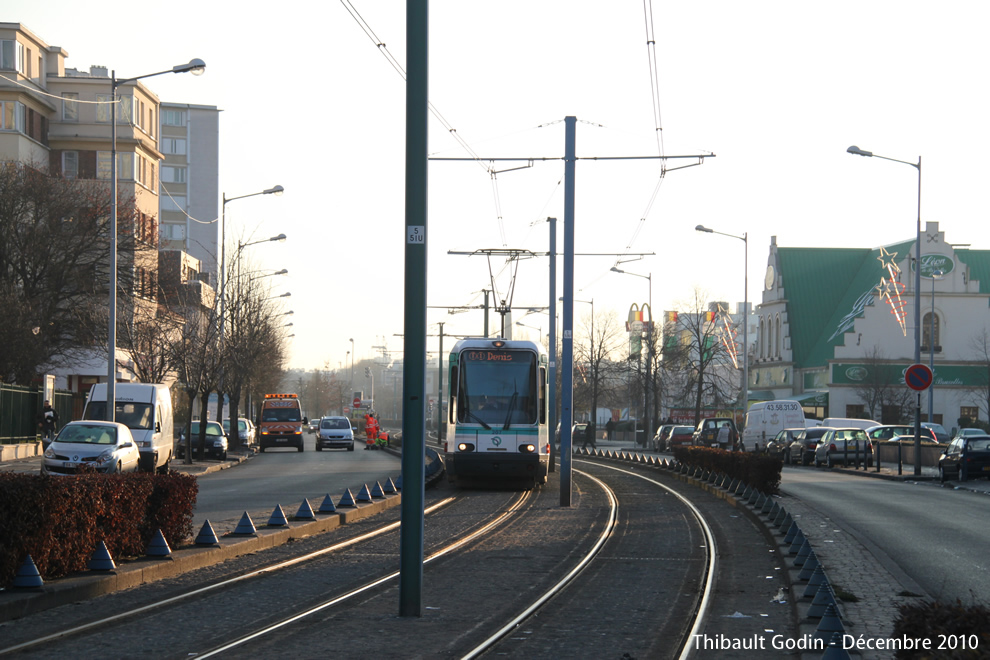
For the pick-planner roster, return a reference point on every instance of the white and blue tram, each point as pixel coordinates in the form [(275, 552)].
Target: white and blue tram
[(497, 413)]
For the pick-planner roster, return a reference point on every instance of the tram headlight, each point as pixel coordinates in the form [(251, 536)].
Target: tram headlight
[(527, 449), (465, 446)]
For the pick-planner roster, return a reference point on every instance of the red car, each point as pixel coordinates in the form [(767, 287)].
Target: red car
[(680, 436)]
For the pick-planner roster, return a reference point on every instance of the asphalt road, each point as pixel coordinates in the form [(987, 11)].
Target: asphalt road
[(938, 536), (284, 477)]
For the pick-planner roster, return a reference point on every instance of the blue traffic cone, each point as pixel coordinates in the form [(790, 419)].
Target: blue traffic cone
[(834, 650), (377, 492), (206, 535), (278, 518), (802, 555), (815, 582), (158, 547), (27, 576), (791, 533), (327, 506), (245, 527), (305, 511), (810, 564), (389, 487), (823, 600), (796, 543), (782, 517), (829, 624), (101, 559), (346, 499), (364, 495)]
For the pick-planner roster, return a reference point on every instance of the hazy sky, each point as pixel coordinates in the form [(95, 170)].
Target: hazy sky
[(776, 90)]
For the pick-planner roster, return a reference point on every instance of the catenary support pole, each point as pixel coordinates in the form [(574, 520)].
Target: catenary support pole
[(567, 339), (414, 341)]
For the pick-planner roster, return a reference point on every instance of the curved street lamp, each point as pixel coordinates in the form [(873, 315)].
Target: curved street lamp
[(196, 67), (744, 390), (917, 295)]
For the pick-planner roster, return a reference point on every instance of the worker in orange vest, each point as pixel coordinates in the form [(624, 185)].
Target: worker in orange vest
[(370, 430)]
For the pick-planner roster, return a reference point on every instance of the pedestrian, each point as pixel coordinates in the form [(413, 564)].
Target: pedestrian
[(589, 435), (609, 427), (47, 421), (725, 436)]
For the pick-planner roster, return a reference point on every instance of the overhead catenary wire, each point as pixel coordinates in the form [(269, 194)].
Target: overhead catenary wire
[(383, 49)]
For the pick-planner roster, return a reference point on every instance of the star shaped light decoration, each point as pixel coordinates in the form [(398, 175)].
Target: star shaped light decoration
[(890, 289)]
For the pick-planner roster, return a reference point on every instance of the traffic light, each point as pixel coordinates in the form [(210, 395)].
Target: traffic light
[(367, 372)]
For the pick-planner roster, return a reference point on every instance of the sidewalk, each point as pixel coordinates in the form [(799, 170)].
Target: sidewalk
[(32, 464)]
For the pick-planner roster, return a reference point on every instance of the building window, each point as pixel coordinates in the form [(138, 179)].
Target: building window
[(930, 326), (103, 108), (174, 203), (70, 106), (70, 164), (777, 336), (763, 337), (12, 116), (173, 118), (11, 55), (125, 165), (172, 174), (857, 411), (970, 412), (172, 232), (174, 146)]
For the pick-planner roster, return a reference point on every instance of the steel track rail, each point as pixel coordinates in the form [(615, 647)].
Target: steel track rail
[(560, 584), (218, 585), (370, 585), (704, 602)]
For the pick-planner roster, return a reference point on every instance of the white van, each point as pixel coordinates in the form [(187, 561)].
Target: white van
[(146, 409), (766, 419), (849, 423)]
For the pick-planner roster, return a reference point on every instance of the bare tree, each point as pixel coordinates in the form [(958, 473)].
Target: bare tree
[(53, 267), (881, 390), (980, 344), (593, 361), (698, 359)]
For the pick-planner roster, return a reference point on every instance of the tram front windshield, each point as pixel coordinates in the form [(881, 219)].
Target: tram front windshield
[(497, 387)]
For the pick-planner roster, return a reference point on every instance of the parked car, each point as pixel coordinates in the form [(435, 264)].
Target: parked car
[(941, 435), (780, 445), (245, 430), (849, 423), (805, 443), (106, 447), (216, 441), (706, 435), (335, 433), (660, 437), (895, 432), (964, 433), (680, 436), (966, 457), (849, 446)]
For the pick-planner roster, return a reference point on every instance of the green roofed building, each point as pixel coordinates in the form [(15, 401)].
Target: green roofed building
[(836, 330)]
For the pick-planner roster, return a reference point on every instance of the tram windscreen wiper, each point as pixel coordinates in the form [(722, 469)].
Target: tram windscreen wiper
[(471, 415), (508, 415)]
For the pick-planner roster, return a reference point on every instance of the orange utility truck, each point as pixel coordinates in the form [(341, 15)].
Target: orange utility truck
[(281, 421)]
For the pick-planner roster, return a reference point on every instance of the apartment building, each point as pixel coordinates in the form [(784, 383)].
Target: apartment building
[(59, 117)]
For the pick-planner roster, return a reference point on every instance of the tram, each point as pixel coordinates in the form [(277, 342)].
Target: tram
[(497, 413)]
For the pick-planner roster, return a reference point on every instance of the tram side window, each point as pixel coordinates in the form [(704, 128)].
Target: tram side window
[(454, 392)]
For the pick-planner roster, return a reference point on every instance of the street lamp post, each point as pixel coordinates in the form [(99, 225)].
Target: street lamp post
[(532, 327), (917, 296), (352, 364), (195, 67), (649, 352), (744, 390), (936, 275)]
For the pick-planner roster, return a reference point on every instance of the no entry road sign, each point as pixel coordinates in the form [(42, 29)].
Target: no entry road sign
[(918, 377)]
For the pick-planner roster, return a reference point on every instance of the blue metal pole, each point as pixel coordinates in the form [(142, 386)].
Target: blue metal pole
[(552, 341), (567, 341), (414, 341)]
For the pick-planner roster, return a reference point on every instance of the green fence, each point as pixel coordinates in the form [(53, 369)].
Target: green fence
[(19, 408)]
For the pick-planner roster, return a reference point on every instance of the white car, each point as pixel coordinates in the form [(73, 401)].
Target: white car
[(106, 447)]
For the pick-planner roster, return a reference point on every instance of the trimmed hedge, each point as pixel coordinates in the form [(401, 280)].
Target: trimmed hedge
[(758, 470), (59, 521), (960, 629)]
